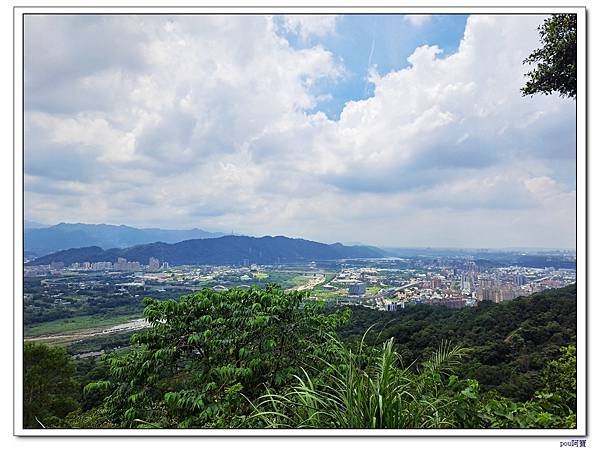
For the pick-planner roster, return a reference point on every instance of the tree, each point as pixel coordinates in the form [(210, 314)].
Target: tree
[(50, 391), (210, 352), (370, 388), (253, 358), (560, 381), (556, 60)]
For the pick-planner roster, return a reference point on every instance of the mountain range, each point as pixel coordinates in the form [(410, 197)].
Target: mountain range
[(42, 240), (225, 250)]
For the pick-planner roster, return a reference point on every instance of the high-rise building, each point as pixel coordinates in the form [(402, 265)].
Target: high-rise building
[(153, 263), (466, 282), (101, 265), (357, 289), (121, 264), (520, 280), (486, 282), (508, 293), (486, 294), (127, 266)]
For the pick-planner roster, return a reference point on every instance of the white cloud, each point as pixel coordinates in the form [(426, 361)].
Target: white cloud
[(306, 26), (454, 112), (211, 124), (417, 20)]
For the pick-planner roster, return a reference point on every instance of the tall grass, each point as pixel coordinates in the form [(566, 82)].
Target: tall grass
[(367, 388)]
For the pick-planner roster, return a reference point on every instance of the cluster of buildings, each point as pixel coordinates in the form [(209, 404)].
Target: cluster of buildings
[(450, 286), (456, 288), (102, 265), (121, 265), (382, 285)]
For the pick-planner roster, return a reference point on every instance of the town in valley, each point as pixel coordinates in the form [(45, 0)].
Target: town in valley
[(84, 302)]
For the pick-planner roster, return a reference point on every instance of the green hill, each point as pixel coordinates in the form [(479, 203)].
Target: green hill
[(267, 358), (232, 250), (509, 342)]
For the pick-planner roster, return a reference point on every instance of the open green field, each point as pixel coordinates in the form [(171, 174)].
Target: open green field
[(298, 280), (372, 290), (287, 279), (323, 294), (76, 324)]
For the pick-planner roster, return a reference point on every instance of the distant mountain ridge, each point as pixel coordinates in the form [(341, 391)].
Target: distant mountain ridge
[(50, 239), (225, 250), (30, 224)]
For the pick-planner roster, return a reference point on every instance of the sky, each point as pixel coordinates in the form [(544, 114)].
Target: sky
[(390, 130)]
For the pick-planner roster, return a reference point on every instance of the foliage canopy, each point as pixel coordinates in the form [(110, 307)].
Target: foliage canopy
[(556, 60), (510, 343), (269, 358), (370, 388), (207, 353), (50, 391)]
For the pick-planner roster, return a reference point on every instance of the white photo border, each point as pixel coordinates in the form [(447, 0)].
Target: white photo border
[(581, 219)]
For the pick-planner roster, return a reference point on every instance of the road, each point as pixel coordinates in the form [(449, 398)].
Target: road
[(133, 325), (310, 283)]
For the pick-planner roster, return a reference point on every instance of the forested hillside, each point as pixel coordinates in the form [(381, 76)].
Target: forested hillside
[(221, 250), (509, 343), (262, 358)]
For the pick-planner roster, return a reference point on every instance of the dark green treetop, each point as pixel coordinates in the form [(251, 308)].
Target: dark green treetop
[(50, 391), (208, 353), (556, 60)]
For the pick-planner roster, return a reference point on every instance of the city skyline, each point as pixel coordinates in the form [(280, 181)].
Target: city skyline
[(389, 130)]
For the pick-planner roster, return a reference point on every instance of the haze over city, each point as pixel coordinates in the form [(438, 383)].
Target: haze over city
[(386, 130)]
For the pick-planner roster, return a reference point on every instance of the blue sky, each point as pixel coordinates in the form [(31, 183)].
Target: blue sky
[(383, 129), (386, 41)]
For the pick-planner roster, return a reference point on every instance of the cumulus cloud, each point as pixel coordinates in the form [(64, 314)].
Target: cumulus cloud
[(213, 121), (306, 26), (449, 113), (417, 20)]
